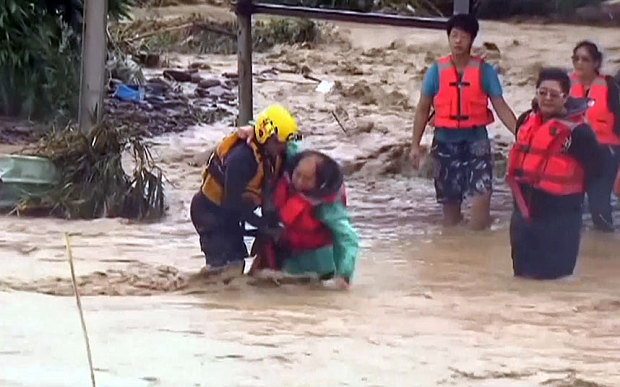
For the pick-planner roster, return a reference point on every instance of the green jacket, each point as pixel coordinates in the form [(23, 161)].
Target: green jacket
[(338, 259)]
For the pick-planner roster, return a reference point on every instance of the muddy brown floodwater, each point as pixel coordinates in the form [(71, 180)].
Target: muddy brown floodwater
[(428, 306)]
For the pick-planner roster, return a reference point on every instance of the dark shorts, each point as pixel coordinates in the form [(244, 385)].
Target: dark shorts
[(462, 169)]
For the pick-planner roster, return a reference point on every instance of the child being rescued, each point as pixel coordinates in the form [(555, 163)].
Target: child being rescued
[(317, 237)]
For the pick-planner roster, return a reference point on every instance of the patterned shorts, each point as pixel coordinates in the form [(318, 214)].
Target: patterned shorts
[(462, 169)]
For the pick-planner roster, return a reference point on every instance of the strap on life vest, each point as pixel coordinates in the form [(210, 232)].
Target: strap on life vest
[(459, 85), (517, 193)]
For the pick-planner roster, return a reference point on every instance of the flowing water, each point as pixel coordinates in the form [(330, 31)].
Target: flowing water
[(428, 306)]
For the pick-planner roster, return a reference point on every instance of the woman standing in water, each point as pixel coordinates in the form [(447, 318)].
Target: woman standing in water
[(604, 117), (555, 155)]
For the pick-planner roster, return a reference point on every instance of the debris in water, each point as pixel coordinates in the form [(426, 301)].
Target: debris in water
[(92, 180), (570, 380), (325, 87)]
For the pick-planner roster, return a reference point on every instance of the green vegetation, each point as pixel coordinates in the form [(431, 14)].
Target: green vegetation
[(40, 56), (199, 35), (93, 182)]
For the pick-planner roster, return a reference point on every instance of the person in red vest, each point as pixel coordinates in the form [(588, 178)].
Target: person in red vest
[(604, 117), (459, 87), (555, 156), (318, 236)]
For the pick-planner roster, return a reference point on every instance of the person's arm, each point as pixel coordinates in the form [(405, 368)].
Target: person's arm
[(614, 102), (504, 112), (430, 87), (586, 149), (492, 86), (241, 166), (293, 148), (346, 241), (421, 118), (521, 120)]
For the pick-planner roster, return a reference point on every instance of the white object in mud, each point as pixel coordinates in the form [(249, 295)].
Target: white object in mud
[(248, 264), (325, 87)]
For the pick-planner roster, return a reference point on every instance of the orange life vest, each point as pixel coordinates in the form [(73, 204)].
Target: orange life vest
[(539, 157), (461, 102), (599, 116), (213, 174)]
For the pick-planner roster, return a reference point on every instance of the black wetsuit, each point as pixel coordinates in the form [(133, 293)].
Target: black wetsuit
[(221, 228), (548, 245)]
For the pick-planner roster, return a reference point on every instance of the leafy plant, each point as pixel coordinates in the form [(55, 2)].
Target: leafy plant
[(197, 34), (40, 51), (93, 182)]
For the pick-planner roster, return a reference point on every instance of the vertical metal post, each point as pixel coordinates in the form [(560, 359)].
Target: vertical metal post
[(92, 78), (244, 60), (461, 6)]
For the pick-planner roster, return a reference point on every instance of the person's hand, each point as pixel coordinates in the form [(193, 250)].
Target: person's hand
[(417, 154), (274, 232), (246, 133), (342, 283)]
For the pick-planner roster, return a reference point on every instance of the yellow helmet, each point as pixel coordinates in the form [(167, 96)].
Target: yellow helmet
[(275, 120)]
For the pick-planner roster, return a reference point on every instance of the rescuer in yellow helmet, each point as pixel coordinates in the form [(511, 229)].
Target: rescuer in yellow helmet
[(234, 182)]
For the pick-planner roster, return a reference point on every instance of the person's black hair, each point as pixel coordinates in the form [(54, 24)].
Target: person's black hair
[(465, 22), (329, 176), (593, 51), (554, 74)]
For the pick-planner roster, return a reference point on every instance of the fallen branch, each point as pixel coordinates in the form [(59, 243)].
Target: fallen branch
[(433, 7), (79, 305), (208, 27), (203, 26), (152, 33), (338, 121), (289, 71), (259, 79), (297, 70), (310, 77)]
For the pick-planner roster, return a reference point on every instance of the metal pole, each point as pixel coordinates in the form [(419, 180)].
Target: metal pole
[(349, 16), (244, 60), (92, 78), (461, 6)]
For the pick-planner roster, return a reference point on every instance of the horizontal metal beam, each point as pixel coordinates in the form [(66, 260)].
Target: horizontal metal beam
[(348, 16)]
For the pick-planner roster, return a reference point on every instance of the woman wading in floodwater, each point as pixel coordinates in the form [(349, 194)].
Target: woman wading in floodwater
[(603, 115), (554, 158)]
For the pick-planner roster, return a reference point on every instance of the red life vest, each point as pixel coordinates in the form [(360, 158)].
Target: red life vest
[(539, 156), (302, 230), (461, 103), (599, 116)]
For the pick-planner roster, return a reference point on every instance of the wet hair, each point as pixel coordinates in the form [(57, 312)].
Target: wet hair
[(593, 51), (554, 74), (465, 22), (328, 173)]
